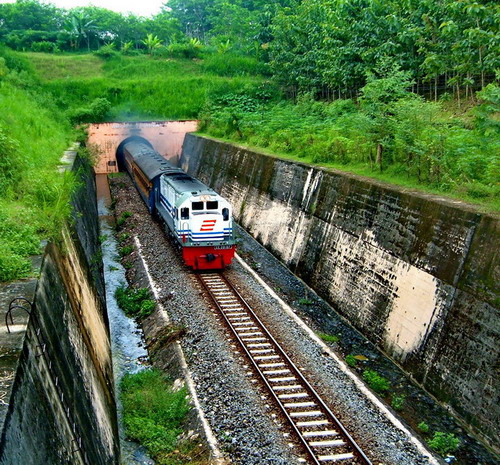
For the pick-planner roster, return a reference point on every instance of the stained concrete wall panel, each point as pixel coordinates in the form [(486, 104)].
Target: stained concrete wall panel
[(416, 274)]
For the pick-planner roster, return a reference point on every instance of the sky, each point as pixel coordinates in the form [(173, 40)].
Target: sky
[(141, 7)]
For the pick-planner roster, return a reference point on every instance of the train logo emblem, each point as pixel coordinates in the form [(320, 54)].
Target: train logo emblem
[(208, 225)]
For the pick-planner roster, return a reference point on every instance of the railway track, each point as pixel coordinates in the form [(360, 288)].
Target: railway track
[(323, 437)]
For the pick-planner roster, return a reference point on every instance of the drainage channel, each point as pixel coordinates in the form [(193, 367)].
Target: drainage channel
[(127, 345)]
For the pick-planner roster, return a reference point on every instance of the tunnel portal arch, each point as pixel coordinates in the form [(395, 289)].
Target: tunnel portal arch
[(119, 151)]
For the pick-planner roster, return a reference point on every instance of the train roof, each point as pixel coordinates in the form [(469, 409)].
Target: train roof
[(182, 182), (151, 163)]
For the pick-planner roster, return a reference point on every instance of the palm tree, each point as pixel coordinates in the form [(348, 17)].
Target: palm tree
[(79, 26), (151, 42)]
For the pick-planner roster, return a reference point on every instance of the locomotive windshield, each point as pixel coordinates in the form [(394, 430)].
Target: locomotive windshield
[(213, 205), (197, 205)]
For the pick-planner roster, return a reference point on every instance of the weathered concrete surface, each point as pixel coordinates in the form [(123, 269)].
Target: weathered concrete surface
[(418, 275), (62, 407)]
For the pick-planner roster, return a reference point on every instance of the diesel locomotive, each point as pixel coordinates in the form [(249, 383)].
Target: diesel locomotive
[(199, 219)]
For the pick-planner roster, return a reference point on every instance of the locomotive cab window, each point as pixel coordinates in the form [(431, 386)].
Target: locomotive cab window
[(213, 205), (185, 213), (225, 214), (197, 205)]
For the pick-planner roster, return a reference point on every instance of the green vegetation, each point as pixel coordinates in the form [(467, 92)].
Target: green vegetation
[(123, 218), (389, 133), (153, 415), (351, 360), (126, 250), (378, 383), (423, 426), (136, 303), (402, 92), (34, 197), (398, 401), (328, 337), (444, 443)]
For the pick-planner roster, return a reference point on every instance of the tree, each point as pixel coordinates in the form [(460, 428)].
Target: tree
[(151, 42)]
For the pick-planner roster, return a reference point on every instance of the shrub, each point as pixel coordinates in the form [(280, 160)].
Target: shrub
[(44, 46), (191, 49), (376, 382), (398, 401), (106, 51), (152, 412), (123, 218), (124, 251), (444, 443), (423, 426), (94, 113), (135, 303), (328, 337)]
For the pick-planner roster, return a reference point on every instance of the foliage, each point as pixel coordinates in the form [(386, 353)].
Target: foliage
[(153, 413), (423, 426), (351, 360), (328, 337), (126, 250), (329, 48), (397, 401), (376, 382), (34, 197), (95, 112), (390, 130), (444, 443), (107, 51), (123, 218), (135, 303)]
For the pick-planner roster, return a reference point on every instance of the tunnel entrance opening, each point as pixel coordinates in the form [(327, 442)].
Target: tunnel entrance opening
[(107, 139)]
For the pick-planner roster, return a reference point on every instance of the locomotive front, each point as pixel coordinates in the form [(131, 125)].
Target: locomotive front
[(199, 218), (205, 230)]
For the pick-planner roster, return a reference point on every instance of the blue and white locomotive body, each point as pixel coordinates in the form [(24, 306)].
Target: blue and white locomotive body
[(198, 217)]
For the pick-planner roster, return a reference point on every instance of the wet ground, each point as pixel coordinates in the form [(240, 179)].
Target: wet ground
[(127, 344)]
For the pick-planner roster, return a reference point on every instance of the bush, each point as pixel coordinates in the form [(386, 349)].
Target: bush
[(444, 443), (228, 64), (423, 426), (398, 401), (351, 360), (136, 303), (44, 46), (94, 113), (152, 412), (378, 383), (106, 51), (191, 49)]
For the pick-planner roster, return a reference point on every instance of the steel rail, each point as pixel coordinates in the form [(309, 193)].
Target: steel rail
[(314, 456)]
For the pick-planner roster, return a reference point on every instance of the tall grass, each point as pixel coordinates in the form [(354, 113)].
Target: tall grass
[(140, 87), (34, 197), (154, 414)]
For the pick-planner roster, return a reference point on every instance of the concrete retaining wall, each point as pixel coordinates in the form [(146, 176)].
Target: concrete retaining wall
[(416, 274), (62, 408)]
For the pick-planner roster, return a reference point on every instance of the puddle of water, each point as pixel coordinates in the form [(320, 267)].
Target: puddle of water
[(127, 344)]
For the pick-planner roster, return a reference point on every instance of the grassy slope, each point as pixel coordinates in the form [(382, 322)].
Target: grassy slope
[(138, 87), (34, 199)]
